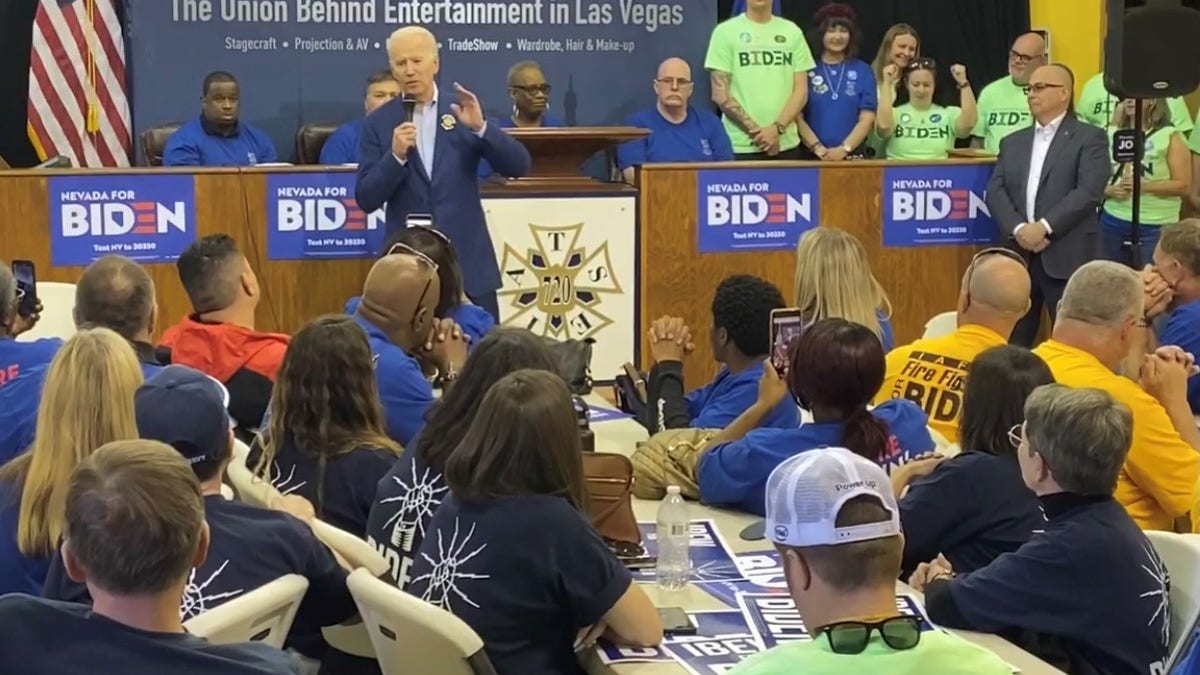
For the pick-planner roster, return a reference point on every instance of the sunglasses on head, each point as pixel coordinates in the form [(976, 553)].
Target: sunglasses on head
[(852, 637), (400, 247), (921, 64)]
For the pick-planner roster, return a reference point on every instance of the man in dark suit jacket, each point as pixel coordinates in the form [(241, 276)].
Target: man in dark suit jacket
[(429, 165), (1046, 190)]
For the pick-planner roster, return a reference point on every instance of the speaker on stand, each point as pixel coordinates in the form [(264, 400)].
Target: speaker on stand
[(1151, 50)]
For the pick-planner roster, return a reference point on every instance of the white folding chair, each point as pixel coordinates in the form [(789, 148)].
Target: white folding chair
[(250, 489), (58, 312), (942, 324), (412, 637), (351, 637), (1181, 554), (262, 615)]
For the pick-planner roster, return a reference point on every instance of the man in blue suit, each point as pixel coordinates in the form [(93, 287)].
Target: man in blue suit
[(428, 165)]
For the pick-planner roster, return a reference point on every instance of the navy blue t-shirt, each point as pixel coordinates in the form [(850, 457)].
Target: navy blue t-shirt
[(405, 501), (1183, 330), (972, 508), (349, 483), (250, 547), (18, 574), (195, 144), (1092, 581), (42, 637), (17, 357), (837, 93), (700, 137), (526, 573)]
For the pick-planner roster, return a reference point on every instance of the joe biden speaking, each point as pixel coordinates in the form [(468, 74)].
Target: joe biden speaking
[(419, 154)]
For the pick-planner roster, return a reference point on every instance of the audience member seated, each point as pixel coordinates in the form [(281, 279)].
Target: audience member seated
[(396, 311), (1101, 322), (922, 129), (408, 496), (530, 94), (1177, 264), (17, 357), (248, 546), (974, 507), (1090, 593), (930, 372), (835, 368), (741, 338), (86, 402), (510, 550), (833, 279), (115, 293), (217, 137), (133, 527), (218, 338), (678, 131), (454, 304), (342, 145), (837, 529), (326, 439)]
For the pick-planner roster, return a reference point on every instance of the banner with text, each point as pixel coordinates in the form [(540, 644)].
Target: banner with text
[(774, 619), (150, 219), (710, 625), (314, 215), (710, 556), (754, 209), (937, 205), (764, 574), (304, 61)]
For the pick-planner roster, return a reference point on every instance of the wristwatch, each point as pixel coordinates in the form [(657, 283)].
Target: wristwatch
[(847, 148), (780, 128)]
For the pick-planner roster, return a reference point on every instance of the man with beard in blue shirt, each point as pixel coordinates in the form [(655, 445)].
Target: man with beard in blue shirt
[(1089, 594)]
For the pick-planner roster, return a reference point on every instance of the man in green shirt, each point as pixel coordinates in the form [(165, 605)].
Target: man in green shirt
[(1096, 106), (759, 64), (1003, 106), (833, 517)]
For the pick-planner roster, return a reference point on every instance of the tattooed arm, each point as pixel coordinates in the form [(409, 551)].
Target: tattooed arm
[(722, 95)]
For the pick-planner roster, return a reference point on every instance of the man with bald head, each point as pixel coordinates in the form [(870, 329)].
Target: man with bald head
[(396, 311), (678, 132), (424, 166), (1101, 329), (931, 372), (1045, 191), (1002, 106)]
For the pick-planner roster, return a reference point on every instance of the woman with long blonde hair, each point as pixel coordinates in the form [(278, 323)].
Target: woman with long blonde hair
[(900, 46), (87, 401), (833, 279)]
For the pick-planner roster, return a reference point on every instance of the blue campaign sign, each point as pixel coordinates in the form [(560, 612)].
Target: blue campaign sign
[(715, 656), (763, 572), (710, 625), (747, 209), (314, 215), (774, 619), (936, 205), (710, 556), (146, 218)]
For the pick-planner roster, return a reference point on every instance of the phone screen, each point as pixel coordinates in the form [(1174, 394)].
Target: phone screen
[(23, 271), (786, 326), (675, 621)]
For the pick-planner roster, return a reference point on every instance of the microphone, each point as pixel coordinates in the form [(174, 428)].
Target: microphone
[(410, 104)]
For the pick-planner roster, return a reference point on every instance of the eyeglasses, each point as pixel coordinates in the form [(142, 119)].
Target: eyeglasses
[(1014, 55), (674, 82), (531, 89), (852, 637), (401, 247), (1140, 322), (1039, 87), (990, 251), (1016, 434)]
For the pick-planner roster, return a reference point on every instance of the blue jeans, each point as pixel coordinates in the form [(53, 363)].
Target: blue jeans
[(1116, 240)]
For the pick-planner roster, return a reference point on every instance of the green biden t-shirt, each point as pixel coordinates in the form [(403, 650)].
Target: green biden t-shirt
[(1096, 106), (922, 134), (762, 60), (1003, 109)]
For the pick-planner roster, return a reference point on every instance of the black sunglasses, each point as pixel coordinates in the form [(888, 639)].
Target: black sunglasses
[(852, 637), (921, 64)]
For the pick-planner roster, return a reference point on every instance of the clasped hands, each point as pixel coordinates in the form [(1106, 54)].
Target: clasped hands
[(1032, 237)]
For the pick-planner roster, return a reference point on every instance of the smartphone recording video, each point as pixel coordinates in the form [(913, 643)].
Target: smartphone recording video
[(23, 271), (786, 326)]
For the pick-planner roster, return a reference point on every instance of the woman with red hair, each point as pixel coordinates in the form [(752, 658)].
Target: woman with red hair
[(842, 96)]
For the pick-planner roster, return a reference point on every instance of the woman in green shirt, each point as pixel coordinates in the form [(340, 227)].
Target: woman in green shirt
[(1166, 179), (922, 129)]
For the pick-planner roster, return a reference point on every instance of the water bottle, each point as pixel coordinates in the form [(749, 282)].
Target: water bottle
[(674, 564)]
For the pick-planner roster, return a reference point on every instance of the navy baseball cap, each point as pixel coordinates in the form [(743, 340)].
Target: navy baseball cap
[(185, 409)]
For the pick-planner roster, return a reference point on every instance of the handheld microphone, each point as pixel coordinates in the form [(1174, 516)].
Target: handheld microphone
[(410, 104)]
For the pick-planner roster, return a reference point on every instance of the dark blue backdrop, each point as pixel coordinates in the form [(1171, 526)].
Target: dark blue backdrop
[(286, 85)]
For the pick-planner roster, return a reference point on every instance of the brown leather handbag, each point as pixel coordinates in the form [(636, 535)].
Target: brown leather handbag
[(609, 480)]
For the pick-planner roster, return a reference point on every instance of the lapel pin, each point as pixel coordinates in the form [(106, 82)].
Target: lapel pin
[(448, 122)]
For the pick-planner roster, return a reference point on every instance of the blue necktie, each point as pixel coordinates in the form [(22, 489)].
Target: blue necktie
[(739, 6)]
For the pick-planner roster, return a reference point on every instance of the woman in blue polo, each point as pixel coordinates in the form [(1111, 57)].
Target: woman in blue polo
[(840, 112), (922, 129)]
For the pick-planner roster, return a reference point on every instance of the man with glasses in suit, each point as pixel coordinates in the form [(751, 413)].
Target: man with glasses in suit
[(1045, 192)]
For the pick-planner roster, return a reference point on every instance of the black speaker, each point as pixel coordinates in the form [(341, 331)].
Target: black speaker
[(1152, 49)]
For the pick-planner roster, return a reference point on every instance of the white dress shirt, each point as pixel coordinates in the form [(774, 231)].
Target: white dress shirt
[(1043, 136)]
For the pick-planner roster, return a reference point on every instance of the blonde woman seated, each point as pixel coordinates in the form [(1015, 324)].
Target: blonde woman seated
[(87, 401), (834, 280)]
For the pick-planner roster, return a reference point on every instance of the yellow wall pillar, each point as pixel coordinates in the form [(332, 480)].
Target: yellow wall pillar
[(1076, 34)]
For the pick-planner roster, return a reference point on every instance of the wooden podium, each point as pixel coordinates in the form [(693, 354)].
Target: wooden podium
[(560, 152)]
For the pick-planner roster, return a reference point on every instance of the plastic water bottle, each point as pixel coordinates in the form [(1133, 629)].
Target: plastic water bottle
[(674, 563)]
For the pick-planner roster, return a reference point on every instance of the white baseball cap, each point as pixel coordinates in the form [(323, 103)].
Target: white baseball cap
[(806, 492)]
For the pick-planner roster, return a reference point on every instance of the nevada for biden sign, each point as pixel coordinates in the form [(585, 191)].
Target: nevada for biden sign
[(314, 215), (936, 205), (745, 209)]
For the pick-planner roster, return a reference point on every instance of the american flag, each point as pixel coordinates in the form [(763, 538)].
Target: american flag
[(78, 97)]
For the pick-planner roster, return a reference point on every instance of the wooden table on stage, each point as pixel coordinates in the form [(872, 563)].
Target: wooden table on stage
[(677, 280)]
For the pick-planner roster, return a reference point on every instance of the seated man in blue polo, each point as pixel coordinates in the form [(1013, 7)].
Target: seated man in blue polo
[(741, 338), (678, 132), (17, 357), (217, 137), (342, 145), (397, 312), (1177, 263), (530, 94)]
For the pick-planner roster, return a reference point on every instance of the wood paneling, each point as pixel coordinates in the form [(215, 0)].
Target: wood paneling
[(677, 280)]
